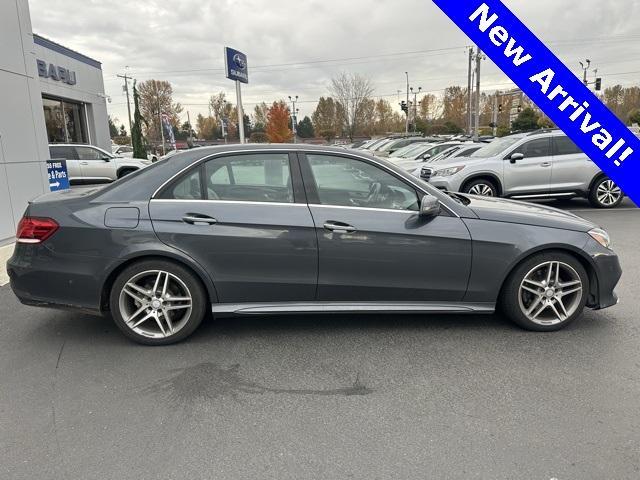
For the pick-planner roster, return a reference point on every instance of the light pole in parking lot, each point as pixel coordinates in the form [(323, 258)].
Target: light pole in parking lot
[(415, 107), (293, 116), (406, 128)]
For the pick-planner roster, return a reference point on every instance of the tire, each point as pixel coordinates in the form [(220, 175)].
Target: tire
[(516, 302), (125, 171), (142, 315), (481, 186), (605, 193)]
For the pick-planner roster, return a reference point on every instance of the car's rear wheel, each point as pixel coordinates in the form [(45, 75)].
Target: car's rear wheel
[(605, 194), (482, 187), (546, 292), (157, 302)]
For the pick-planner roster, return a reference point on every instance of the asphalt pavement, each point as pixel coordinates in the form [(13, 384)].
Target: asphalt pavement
[(328, 397)]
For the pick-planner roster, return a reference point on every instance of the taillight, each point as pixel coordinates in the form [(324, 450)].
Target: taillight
[(35, 229)]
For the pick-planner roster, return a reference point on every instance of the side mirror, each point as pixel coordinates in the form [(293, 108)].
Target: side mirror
[(515, 157), (106, 158), (429, 206), (426, 156)]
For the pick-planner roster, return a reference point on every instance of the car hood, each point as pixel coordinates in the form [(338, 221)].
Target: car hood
[(453, 162), (513, 211)]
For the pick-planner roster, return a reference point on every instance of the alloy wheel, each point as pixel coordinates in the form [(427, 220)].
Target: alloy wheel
[(481, 189), (550, 293), (608, 193), (155, 304)]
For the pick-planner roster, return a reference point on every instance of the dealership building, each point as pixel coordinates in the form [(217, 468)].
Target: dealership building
[(48, 94)]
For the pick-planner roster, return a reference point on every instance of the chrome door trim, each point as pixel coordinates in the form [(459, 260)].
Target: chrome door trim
[(331, 307), (413, 212)]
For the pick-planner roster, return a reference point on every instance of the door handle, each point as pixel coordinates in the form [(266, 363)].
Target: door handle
[(338, 227), (545, 164), (84, 163), (195, 219)]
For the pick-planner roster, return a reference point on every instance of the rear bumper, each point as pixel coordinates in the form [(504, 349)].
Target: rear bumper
[(40, 277)]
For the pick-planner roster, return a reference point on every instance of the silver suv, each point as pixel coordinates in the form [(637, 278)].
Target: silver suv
[(536, 165), (87, 164)]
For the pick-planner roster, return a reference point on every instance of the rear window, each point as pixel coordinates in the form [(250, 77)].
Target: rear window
[(564, 146)]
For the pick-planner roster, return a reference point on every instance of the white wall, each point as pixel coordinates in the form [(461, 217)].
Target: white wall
[(23, 140)]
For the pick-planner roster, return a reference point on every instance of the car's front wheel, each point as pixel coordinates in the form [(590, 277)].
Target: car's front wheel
[(605, 194), (546, 292), (482, 187), (157, 302)]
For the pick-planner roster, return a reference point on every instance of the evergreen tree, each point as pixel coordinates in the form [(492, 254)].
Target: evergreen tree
[(305, 128), (137, 140)]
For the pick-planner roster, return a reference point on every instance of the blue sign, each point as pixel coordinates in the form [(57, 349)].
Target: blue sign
[(236, 66), (58, 176), (557, 91)]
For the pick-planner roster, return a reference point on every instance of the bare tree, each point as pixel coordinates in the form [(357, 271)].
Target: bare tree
[(351, 91)]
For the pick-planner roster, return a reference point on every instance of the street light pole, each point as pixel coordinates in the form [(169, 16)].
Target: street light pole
[(415, 108), (293, 117), (406, 129)]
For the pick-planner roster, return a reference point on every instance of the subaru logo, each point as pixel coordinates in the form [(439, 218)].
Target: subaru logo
[(240, 61)]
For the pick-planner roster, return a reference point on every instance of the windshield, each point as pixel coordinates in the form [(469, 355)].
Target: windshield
[(496, 147), (377, 147)]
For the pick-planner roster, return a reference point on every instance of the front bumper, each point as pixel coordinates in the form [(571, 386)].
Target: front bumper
[(606, 275), (450, 184)]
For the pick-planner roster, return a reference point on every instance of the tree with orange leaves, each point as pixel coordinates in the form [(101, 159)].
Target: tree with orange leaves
[(278, 129)]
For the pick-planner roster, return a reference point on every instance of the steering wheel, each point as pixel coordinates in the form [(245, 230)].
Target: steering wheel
[(374, 190)]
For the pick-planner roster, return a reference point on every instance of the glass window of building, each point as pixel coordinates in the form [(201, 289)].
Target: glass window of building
[(65, 121)]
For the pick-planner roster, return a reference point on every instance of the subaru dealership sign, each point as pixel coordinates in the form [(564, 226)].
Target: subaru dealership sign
[(235, 65)]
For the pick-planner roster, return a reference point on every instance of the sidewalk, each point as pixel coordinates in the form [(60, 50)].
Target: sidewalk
[(5, 253)]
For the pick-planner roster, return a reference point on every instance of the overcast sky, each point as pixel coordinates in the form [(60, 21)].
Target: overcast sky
[(183, 41)]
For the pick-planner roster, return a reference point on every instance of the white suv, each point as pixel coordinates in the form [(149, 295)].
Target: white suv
[(87, 164), (541, 164)]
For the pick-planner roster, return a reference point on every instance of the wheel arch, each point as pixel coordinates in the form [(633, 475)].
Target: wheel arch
[(484, 175), (596, 179), (128, 169), (181, 260), (576, 253)]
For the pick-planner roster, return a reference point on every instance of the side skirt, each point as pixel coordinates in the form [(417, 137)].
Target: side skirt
[(353, 307)]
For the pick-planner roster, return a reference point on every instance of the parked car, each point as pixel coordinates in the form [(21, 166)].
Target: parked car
[(268, 229), (541, 164), (88, 164), (457, 151), (406, 152), (126, 151), (394, 145), (422, 155)]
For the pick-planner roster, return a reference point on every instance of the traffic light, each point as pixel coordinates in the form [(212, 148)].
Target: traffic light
[(598, 84), (519, 108), (404, 107), (500, 108)]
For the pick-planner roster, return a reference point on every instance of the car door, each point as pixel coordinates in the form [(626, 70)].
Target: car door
[(372, 244), (572, 169), (245, 219), (96, 165), (531, 174), (67, 153)]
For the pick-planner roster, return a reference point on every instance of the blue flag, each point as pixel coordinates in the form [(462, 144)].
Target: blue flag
[(552, 87)]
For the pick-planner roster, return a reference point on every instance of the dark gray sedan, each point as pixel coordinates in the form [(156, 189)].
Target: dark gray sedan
[(255, 230)]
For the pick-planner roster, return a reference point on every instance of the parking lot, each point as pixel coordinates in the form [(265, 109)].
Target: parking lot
[(360, 396)]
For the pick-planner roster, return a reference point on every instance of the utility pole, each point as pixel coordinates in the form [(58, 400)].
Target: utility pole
[(406, 129), (126, 90), (293, 117), (190, 128), (476, 131), (470, 93)]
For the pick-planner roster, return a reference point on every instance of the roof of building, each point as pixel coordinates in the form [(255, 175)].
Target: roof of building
[(56, 47)]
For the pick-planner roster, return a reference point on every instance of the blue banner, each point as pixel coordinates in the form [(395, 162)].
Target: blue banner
[(558, 92), (236, 67), (58, 176)]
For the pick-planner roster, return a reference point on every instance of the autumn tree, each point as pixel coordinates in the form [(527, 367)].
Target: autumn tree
[(351, 91), (277, 128), (206, 127), (428, 107), (156, 97), (260, 117), (454, 106)]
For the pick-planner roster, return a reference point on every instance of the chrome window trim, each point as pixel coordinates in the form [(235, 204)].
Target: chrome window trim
[(241, 202), (347, 154), (394, 210)]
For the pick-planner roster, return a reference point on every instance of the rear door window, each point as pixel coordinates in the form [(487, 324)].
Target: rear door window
[(564, 146), (62, 153)]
